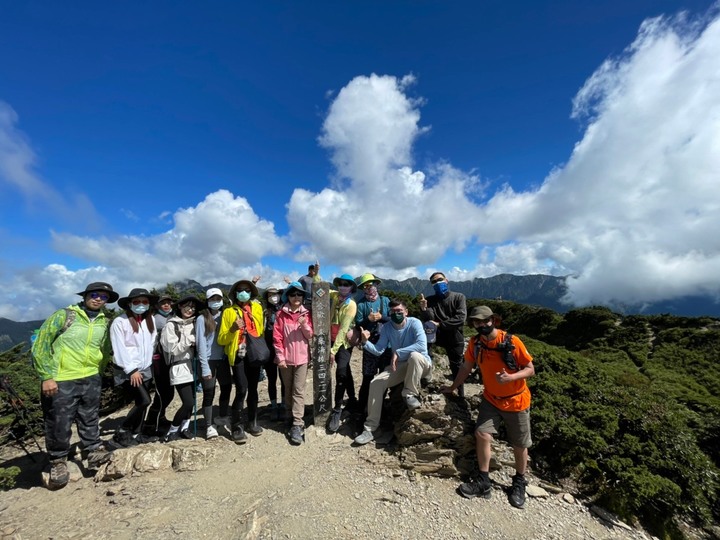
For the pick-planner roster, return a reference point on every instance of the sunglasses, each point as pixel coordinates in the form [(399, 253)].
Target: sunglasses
[(290, 295), (100, 296), (188, 307), (484, 321), (244, 290), (345, 284), (437, 280), (139, 302), (369, 285)]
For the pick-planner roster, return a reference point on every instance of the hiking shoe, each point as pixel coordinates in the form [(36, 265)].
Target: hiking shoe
[(516, 495), (334, 422), (365, 437), (223, 421), (253, 429), (98, 457), (412, 402), (171, 436), (296, 435), (475, 488), (238, 435), (210, 432), (59, 474), (187, 434), (124, 439), (142, 438)]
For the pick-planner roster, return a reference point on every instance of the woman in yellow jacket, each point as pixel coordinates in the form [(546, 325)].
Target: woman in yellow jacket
[(244, 316), (343, 309)]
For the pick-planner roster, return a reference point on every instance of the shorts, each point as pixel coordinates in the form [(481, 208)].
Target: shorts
[(517, 424)]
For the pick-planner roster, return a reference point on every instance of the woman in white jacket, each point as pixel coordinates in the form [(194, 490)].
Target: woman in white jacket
[(178, 344), (132, 335)]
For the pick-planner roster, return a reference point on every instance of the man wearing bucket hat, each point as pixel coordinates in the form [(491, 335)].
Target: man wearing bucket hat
[(70, 389), (447, 310), (133, 335), (372, 313), (505, 364), (343, 310)]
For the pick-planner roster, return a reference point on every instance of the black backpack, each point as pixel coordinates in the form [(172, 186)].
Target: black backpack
[(506, 348)]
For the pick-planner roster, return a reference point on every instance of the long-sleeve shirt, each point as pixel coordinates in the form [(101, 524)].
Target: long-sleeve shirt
[(132, 351), (404, 340), (450, 311), (365, 307), (178, 343), (207, 346), (343, 314), (292, 339)]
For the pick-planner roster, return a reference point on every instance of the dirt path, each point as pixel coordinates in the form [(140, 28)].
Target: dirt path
[(325, 488)]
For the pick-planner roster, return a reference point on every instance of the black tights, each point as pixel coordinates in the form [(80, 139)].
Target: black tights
[(186, 391), (343, 377), (141, 394), (246, 378)]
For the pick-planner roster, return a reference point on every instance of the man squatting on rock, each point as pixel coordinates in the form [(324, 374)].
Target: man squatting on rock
[(506, 398)]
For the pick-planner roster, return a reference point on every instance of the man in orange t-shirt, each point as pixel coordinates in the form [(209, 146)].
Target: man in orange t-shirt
[(506, 398)]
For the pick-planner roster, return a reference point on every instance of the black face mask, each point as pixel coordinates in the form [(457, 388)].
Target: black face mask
[(485, 330)]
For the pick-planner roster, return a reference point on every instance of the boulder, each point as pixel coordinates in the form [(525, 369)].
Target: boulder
[(179, 456)]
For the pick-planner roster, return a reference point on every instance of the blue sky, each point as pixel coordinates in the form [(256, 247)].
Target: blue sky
[(143, 143)]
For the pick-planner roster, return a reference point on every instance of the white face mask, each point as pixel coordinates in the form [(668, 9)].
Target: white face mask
[(139, 309), (274, 299), (215, 305)]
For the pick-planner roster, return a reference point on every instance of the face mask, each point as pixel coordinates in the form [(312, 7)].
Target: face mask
[(397, 318), (139, 309), (441, 288), (215, 305), (164, 312), (344, 290), (243, 296), (274, 299), (485, 330), (371, 293)]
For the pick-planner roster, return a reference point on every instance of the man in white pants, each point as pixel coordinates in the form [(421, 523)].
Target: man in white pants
[(410, 364)]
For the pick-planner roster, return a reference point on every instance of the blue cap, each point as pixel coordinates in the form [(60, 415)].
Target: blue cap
[(292, 285)]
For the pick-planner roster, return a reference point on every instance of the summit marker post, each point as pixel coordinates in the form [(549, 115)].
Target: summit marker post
[(320, 351)]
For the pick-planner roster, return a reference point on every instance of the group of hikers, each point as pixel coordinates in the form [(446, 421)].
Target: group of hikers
[(177, 347)]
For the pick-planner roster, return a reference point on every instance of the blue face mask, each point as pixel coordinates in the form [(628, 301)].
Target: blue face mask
[(164, 312), (215, 305), (441, 288), (243, 296), (139, 309)]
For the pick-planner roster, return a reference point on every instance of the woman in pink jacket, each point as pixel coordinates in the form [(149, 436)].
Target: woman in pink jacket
[(291, 338)]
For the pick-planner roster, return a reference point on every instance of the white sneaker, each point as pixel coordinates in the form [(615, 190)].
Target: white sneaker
[(222, 421), (211, 432)]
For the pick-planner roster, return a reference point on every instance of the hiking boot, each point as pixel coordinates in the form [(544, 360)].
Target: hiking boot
[(238, 435), (124, 439), (171, 436), (296, 435), (98, 457), (59, 474), (210, 432), (253, 429), (334, 421), (223, 421), (365, 437), (516, 495), (412, 402), (475, 488), (142, 438)]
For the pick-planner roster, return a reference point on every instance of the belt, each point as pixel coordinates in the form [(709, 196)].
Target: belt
[(507, 397)]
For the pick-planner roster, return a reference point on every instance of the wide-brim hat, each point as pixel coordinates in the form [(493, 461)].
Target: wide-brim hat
[(270, 290), (481, 313), (367, 278), (101, 286), (345, 277), (250, 285), (124, 302), (292, 285)]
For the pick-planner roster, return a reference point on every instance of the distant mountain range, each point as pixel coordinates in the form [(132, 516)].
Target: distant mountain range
[(538, 289)]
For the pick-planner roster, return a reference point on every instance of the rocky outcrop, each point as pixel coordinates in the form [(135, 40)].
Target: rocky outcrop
[(179, 456)]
